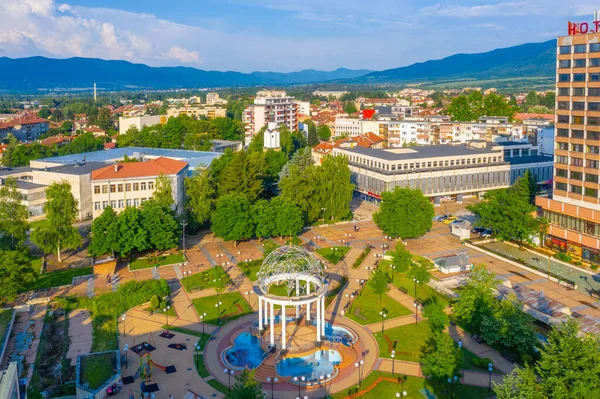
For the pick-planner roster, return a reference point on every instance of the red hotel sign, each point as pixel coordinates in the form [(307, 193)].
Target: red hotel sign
[(583, 28)]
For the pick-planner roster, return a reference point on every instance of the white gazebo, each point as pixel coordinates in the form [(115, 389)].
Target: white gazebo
[(305, 282)]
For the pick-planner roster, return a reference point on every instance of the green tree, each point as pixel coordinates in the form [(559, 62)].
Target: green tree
[(232, 220), (532, 99), (133, 237), (437, 319), (220, 279), (313, 137), (288, 217), (401, 259), (61, 210), (173, 132), (44, 113), (201, 196), (334, 188), (263, 215), (13, 216), (105, 121), (441, 357), (404, 213), (104, 231), (477, 298), (246, 386), (163, 192), (521, 383), (57, 115), (303, 159), (460, 110), (160, 225), (15, 273), (379, 283), (324, 132), (243, 175), (350, 107), (421, 273)]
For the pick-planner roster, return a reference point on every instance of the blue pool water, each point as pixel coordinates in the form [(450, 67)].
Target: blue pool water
[(339, 334), (246, 351), (310, 366)]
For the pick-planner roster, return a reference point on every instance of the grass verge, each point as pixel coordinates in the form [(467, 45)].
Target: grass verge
[(206, 279), (362, 257), (145, 263), (233, 306), (333, 254), (365, 308), (96, 369), (58, 278)]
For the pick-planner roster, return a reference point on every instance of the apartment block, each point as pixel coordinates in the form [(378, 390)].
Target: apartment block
[(197, 112), (139, 122), (133, 183), (270, 106), (573, 209), (213, 98), (24, 128)]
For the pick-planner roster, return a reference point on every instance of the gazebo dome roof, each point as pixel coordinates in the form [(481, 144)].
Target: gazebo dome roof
[(290, 259)]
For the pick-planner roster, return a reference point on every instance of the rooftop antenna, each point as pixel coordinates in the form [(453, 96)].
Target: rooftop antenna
[(94, 91)]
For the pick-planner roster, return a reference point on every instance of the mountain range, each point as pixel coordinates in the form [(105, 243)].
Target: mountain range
[(33, 73)]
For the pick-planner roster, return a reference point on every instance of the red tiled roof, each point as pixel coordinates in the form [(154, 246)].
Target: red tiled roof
[(94, 129), (126, 170), (524, 115), (111, 145), (324, 148), (55, 140), (26, 119)]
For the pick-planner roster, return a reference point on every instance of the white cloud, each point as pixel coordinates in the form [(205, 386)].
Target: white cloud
[(521, 8), (489, 26), (182, 55)]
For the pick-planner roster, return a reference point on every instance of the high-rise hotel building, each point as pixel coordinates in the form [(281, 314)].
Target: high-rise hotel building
[(573, 209), (270, 106)]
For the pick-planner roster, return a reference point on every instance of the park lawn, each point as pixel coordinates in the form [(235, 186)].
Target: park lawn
[(233, 306), (280, 290), (407, 339), (200, 367), (467, 361), (203, 280), (294, 241), (58, 278), (368, 307), (268, 247), (251, 269), (170, 312), (334, 292), (145, 263), (424, 292), (97, 369), (36, 263), (5, 318), (414, 386), (333, 254)]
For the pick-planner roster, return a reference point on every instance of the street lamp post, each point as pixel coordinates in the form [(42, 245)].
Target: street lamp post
[(202, 316), (393, 272), (323, 209), (490, 369), (383, 315), (416, 282), (322, 378), (452, 381), (399, 395), (166, 310), (229, 374), (186, 278), (417, 307), (297, 380), (249, 293), (393, 361), (125, 349), (218, 306), (123, 322), (183, 224), (272, 381), (316, 239)]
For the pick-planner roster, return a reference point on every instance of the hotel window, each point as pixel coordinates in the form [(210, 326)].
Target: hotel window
[(578, 91), (561, 186), (120, 188), (564, 64), (580, 48), (591, 178), (579, 77), (594, 92), (136, 186), (113, 204), (577, 147), (594, 47), (593, 106), (564, 77), (97, 206), (578, 120), (576, 189), (594, 77), (104, 189), (435, 164), (121, 203), (593, 135), (113, 188), (144, 200), (592, 164), (578, 106), (561, 159), (128, 202), (127, 186), (136, 202), (576, 175), (564, 50), (590, 192), (104, 204), (462, 161), (562, 146), (594, 62), (593, 149), (576, 161), (143, 186), (417, 165), (412, 165), (580, 63), (577, 134), (429, 164), (561, 172), (562, 132), (563, 119), (564, 91), (96, 189), (592, 120), (469, 161)]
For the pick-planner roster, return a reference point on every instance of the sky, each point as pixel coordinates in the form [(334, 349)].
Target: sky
[(279, 35)]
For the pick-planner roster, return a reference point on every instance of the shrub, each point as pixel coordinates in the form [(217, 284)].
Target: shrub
[(482, 362), (562, 256), (594, 266), (577, 263), (163, 305), (526, 359), (154, 302), (362, 257)]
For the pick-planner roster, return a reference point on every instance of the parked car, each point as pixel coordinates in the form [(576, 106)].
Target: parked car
[(478, 230), (486, 233), (450, 219), (440, 218), (457, 221)]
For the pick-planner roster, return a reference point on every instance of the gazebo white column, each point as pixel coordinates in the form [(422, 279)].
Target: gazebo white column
[(297, 294), (323, 315), (308, 304), (260, 315), (283, 326), (318, 320), (272, 333)]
